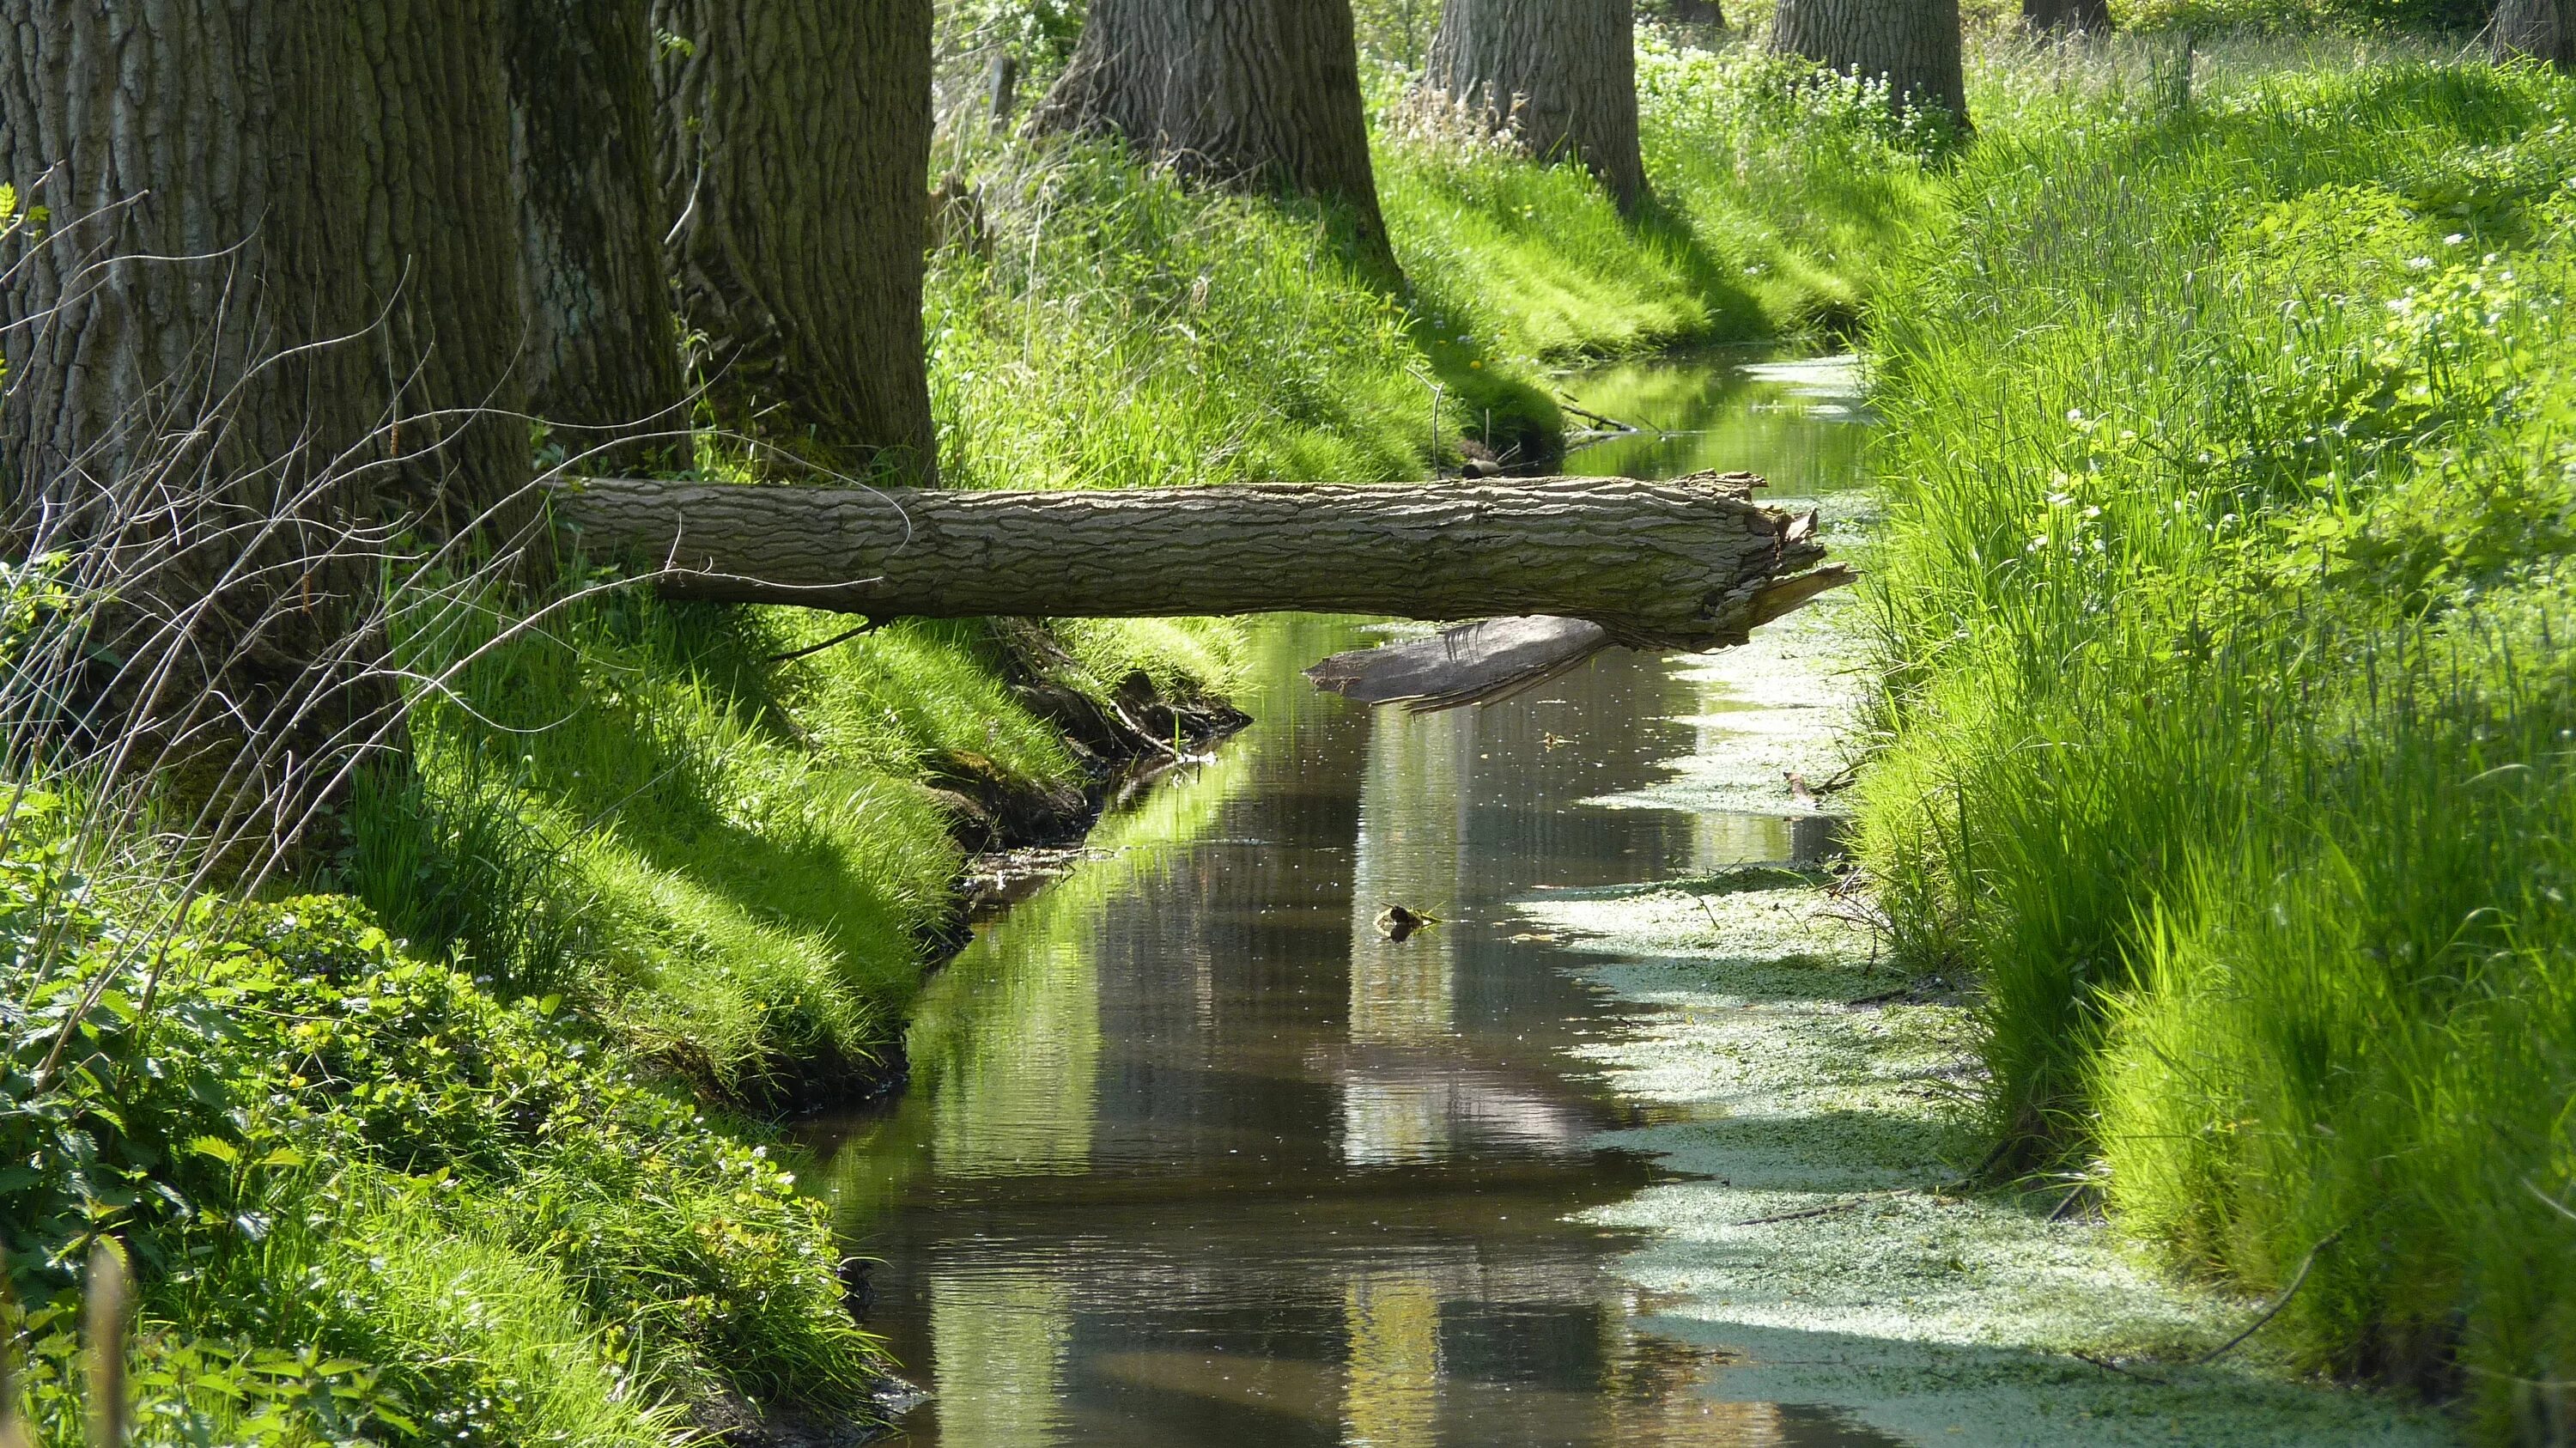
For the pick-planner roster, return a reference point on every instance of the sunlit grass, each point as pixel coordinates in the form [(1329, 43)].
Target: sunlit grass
[(2227, 467)]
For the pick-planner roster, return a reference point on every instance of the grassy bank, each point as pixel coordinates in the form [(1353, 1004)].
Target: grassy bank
[(1775, 197), (2230, 688)]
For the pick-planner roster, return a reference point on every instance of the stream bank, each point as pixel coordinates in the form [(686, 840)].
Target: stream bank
[(1818, 1238), (1191, 1152)]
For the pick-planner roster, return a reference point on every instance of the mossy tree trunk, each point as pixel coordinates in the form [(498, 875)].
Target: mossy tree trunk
[(796, 151), (1256, 92), (1912, 44), (268, 320), (1561, 73), (603, 348)]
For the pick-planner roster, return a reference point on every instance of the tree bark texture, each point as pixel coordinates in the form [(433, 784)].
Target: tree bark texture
[(225, 183), (1561, 73), (265, 308), (2540, 29), (1264, 92), (796, 146), (2086, 15), (1912, 44), (603, 347), (1686, 563)]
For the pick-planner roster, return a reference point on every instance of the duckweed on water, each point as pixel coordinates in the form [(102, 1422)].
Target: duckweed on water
[(1825, 1245)]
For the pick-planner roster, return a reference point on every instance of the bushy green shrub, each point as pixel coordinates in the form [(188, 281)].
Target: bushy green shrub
[(291, 1125)]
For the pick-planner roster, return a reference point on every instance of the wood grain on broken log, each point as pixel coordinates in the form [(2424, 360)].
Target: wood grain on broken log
[(1684, 563)]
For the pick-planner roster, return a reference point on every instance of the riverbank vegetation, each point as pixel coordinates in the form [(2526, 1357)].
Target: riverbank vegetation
[(2225, 732), (458, 1129), (2229, 685)]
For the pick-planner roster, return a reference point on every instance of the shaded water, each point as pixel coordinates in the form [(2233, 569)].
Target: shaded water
[(1192, 1154)]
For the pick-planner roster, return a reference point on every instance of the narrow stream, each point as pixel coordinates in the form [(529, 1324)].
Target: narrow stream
[(1193, 1155)]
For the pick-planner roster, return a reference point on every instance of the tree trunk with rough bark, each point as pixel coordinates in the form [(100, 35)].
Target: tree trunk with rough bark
[(271, 310), (226, 184), (603, 348), (1258, 92), (1912, 44), (1561, 74), (2087, 15), (796, 148), (2540, 29), (1686, 563)]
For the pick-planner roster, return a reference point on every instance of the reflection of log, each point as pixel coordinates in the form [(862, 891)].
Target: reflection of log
[(1687, 563)]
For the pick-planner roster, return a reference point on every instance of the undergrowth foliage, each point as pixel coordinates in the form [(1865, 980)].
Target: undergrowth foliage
[(2231, 691)]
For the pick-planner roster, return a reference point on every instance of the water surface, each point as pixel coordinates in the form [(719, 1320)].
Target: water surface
[(1193, 1154)]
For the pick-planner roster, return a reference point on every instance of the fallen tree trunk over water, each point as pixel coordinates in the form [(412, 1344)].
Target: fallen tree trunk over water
[(1688, 563)]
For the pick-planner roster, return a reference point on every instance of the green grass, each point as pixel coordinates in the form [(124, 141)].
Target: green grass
[(1775, 196), (2229, 684)]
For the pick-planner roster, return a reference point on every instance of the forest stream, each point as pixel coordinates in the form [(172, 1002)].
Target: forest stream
[(1641, 1144)]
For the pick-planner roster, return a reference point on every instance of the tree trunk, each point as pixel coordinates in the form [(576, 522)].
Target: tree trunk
[(603, 348), (1260, 92), (2087, 15), (796, 145), (271, 307), (2540, 29), (1560, 73), (1912, 44), (1689, 563), (225, 185)]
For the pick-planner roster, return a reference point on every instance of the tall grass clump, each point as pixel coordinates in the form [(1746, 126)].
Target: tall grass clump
[(2228, 697), (1796, 184)]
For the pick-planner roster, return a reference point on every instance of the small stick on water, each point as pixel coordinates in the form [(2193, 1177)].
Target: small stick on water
[(2298, 1279), (2108, 1366), (1714, 929), (1570, 405), (1824, 1211), (103, 1323)]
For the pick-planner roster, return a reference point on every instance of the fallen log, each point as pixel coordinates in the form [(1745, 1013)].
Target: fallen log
[(1687, 563), (1475, 663)]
